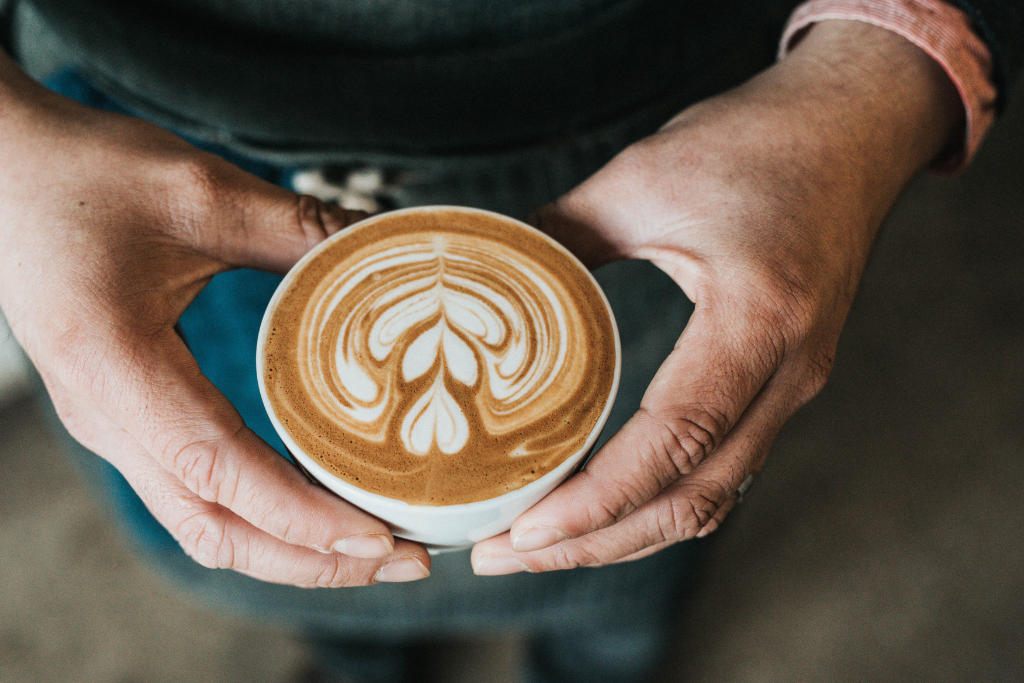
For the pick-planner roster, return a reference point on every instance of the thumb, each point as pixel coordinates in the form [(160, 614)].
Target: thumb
[(255, 224)]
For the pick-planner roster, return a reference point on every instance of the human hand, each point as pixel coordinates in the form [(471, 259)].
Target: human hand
[(109, 228), (762, 205)]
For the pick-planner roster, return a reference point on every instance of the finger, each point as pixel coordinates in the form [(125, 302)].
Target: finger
[(710, 527), (154, 390), (723, 512), (695, 505), (217, 538), (699, 393), (678, 512), (649, 550), (250, 223)]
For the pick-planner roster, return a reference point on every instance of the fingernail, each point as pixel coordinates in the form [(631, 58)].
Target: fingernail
[(496, 565), (404, 569), (369, 546), (536, 538)]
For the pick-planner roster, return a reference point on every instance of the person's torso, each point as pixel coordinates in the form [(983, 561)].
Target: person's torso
[(410, 76)]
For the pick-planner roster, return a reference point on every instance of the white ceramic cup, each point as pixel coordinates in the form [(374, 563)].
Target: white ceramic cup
[(442, 527)]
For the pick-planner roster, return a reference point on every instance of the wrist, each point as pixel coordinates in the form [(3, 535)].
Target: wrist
[(891, 78), (879, 99), (817, 148), (942, 30), (840, 125)]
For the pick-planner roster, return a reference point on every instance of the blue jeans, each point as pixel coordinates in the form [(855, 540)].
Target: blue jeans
[(603, 624)]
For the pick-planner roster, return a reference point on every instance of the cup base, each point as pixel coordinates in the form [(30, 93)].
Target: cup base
[(441, 549)]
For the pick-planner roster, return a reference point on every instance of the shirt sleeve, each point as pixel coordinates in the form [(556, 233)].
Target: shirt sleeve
[(1000, 23), (943, 31)]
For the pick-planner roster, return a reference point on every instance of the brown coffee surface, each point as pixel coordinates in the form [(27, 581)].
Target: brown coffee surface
[(440, 357)]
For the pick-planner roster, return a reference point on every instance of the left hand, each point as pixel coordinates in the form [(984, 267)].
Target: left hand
[(762, 205)]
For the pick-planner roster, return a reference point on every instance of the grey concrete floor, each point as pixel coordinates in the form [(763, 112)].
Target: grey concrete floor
[(883, 542)]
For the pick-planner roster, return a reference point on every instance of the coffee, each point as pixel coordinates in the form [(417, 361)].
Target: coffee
[(439, 357)]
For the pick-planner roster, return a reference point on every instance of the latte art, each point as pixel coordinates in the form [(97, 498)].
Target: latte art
[(440, 366), (435, 308)]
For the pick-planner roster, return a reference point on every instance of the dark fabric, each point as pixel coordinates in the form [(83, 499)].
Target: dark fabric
[(587, 656), (393, 25), (6, 25), (231, 83), (365, 661), (1000, 23), (287, 76)]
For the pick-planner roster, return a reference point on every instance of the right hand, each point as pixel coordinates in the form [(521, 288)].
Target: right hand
[(109, 228)]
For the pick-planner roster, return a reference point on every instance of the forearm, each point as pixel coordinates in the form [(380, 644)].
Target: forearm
[(846, 119), (25, 155), (32, 115), (877, 96)]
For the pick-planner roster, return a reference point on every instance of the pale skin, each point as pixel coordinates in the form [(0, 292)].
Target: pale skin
[(761, 203)]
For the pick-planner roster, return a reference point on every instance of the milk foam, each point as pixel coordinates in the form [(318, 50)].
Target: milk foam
[(474, 329), (463, 352)]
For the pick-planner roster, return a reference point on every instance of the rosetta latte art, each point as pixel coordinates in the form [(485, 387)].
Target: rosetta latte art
[(441, 358), (435, 308)]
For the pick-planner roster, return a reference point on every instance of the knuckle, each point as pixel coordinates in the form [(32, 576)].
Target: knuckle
[(580, 554), (201, 470), (287, 532), (682, 441), (784, 308), (816, 371), (337, 574), (94, 350), (200, 188), (75, 422), (792, 325), (201, 178), (72, 354), (309, 220), (626, 492), (93, 367), (686, 515), (272, 514), (636, 159), (606, 511), (203, 536)]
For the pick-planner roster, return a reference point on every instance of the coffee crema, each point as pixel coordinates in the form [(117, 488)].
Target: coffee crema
[(440, 357)]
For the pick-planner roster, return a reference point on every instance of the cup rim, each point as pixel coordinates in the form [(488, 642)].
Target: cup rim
[(330, 480)]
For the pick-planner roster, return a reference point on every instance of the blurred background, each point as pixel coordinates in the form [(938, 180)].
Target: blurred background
[(884, 541)]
